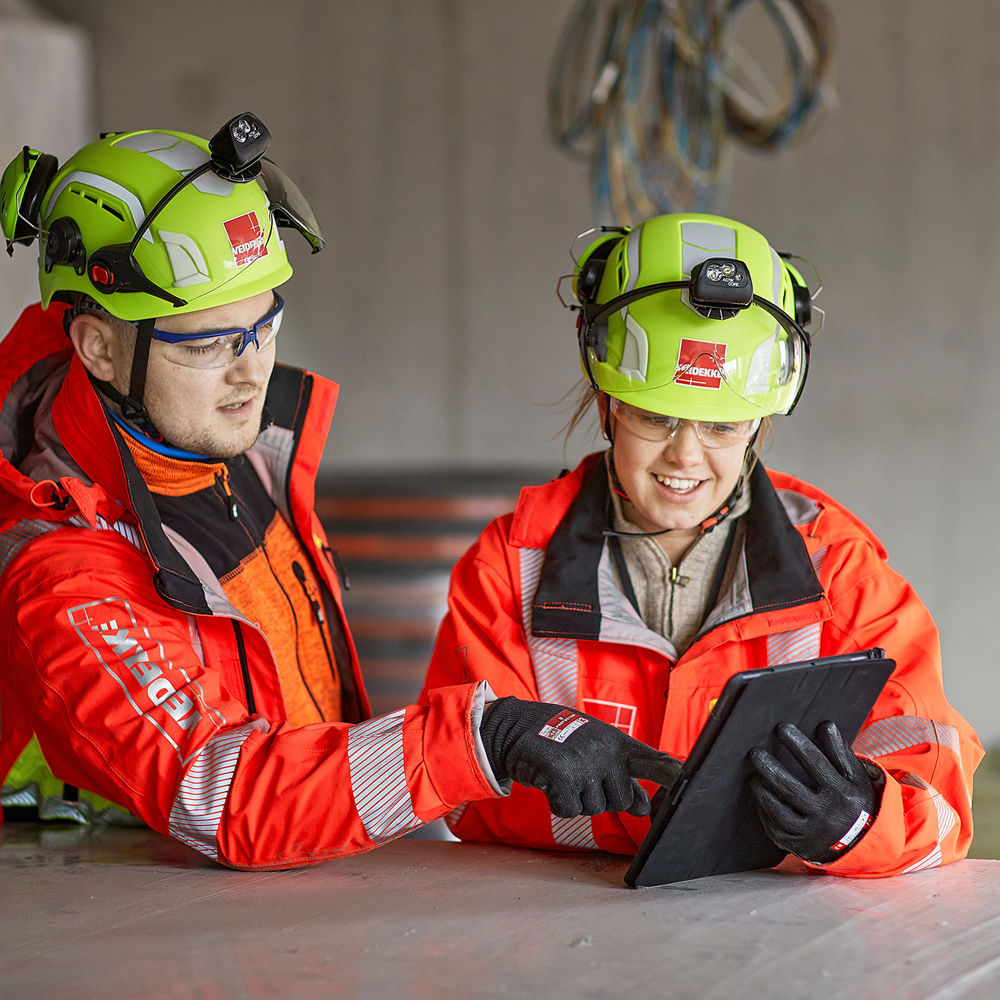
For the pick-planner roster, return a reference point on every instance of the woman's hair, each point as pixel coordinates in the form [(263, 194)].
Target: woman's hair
[(581, 397)]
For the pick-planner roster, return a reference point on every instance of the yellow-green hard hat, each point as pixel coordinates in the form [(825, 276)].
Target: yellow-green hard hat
[(695, 316), (139, 223)]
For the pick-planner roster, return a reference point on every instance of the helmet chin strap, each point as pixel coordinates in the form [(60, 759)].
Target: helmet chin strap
[(132, 406)]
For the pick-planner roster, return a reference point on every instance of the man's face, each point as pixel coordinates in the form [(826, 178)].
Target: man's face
[(210, 411)]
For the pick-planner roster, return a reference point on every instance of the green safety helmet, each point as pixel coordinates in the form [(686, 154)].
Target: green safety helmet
[(155, 222), (694, 316)]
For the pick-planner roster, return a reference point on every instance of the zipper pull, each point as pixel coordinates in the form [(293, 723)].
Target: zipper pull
[(675, 577), (300, 575), (234, 511)]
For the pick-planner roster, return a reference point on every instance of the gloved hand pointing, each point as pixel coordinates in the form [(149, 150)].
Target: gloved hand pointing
[(584, 766), (821, 820)]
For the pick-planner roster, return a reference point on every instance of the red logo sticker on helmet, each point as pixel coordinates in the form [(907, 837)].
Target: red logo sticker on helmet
[(247, 238), (700, 363)]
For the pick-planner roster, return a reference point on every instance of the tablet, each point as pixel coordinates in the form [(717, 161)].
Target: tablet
[(707, 823)]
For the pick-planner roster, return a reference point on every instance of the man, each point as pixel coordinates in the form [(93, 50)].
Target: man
[(172, 641)]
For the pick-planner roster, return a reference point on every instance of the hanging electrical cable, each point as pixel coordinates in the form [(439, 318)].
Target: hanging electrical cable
[(653, 93)]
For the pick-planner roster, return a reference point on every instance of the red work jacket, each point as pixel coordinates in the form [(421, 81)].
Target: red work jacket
[(120, 653), (535, 610)]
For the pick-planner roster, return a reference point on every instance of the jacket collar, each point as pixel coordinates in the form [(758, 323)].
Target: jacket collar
[(101, 479), (778, 571)]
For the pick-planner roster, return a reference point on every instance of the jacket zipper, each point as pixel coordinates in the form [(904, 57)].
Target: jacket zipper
[(244, 668), (313, 598), (231, 506)]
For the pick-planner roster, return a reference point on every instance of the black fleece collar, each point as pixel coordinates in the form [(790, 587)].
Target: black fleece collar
[(567, 603)]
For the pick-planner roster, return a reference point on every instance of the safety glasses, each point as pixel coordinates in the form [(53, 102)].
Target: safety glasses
[(661, 428), (220, 348)]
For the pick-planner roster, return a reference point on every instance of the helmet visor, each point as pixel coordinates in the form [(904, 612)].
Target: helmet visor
[(289, 205), (665, 358)]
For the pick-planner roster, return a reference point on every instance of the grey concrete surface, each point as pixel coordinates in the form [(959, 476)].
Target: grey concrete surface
[(129, 913)]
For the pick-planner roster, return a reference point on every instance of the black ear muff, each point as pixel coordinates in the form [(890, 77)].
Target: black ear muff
[(592, 334), (64, 245), (803, 302), (590, 276), (801, 296), (37, 171)]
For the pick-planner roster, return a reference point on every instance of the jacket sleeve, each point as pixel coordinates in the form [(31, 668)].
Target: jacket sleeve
[(482, 638), (127, 702), (927, 751)]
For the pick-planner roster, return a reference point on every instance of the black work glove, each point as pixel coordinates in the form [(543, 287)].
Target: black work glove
[(821, 820), (583, 765)]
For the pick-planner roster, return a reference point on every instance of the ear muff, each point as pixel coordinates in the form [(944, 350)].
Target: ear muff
[(801, 295), (588, 281), (25, 182)]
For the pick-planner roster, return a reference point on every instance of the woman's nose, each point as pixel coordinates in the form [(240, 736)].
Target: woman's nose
[(684, 447)]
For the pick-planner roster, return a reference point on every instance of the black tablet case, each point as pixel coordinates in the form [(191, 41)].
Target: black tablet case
[(707, 823)]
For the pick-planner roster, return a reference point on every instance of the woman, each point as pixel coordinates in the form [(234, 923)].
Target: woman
[(636, 585)]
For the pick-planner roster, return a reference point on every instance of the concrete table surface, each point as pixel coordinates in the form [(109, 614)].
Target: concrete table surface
[(127, 913)]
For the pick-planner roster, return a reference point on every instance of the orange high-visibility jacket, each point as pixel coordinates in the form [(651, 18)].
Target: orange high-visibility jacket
[(534, 609), (120, 653)]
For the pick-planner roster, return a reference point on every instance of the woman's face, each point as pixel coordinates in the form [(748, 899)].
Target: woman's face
[(674, 484)]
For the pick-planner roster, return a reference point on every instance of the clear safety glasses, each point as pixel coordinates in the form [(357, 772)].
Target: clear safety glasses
[(220, 348), (660, 428)]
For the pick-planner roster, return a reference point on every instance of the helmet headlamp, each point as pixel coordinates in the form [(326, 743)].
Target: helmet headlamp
[(720, 287)]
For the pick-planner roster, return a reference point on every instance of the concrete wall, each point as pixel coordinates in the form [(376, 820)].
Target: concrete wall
[(417, 128), (46, 102)]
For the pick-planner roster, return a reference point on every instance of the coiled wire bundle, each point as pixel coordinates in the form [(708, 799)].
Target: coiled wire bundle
[(653, 91)]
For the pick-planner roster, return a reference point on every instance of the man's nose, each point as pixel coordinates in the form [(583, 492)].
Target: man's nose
[(250, 366)]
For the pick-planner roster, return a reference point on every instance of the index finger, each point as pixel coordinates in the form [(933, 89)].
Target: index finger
[(653, 765)]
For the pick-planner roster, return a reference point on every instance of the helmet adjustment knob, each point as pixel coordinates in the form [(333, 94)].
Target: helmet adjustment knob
[(64, 245)]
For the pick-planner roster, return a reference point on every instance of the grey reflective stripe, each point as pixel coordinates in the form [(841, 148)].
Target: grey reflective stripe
[(455, 816), (702, 240), (204, 790), (575, 832), (798, 644), (900, 732), (127, 531), (106, 186), (15, 539), (378, 777), (817, 560), (553, 661), (777, 273), (632, 256), (947, 820)]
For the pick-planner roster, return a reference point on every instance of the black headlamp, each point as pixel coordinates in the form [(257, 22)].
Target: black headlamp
[(238, 146), (720, 287)]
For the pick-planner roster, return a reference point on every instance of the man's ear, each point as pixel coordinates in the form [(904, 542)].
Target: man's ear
[(94, 340)]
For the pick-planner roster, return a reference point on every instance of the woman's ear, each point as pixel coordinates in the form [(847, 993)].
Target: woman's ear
[(95, 340)]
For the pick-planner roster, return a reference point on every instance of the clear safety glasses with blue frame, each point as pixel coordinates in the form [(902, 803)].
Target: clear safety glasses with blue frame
[(220, 348)]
